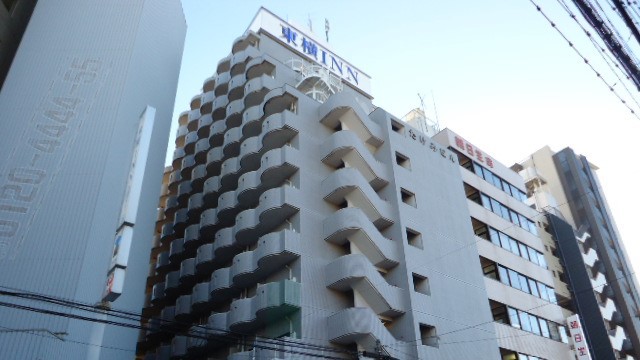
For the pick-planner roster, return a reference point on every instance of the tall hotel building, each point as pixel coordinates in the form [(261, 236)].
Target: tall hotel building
[(300, 221), (85, 76), (565, 186)]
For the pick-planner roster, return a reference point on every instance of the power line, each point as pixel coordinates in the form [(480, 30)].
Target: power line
[(586, 61)]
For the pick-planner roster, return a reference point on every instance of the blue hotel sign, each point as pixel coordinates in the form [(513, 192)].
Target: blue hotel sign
[(310, 48)]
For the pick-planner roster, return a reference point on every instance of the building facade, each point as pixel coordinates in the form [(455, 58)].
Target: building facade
[(298, 220), (565, 185), (529, 305), (84, 75)]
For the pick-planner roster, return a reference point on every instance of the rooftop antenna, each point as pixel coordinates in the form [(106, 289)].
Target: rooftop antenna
[(309, 22), (435, 111), (326, 28)]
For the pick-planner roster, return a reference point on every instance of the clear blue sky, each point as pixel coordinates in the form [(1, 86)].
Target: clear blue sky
[(501, 76)]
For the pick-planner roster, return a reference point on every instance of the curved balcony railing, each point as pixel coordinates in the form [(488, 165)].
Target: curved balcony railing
[(343, 108), (363, 327), (219, 111), (344, 147), (355, 272), (351, 224), (224, 64), (262, 65), (216, 133), (349, 185), (209, 84), (207, 102)]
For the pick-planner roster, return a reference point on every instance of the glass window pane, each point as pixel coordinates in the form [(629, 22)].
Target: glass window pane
[(524, 320), (524, 222), (495, 206), (544, 328), (535, 326), (497, 182), (553, 330), (541, 260), (513, 246), (513, 317), (552, 295), (524, 284), (514, 218), (523, 251), (532, 227), (504, 277), (533, 256), (505, 187), (485, 201), (487, 175), (477, 169), (534, 288), (523, 357), (543, 291), (523, 196), (504, 211), (493, 235), (513, 278), (504, 241), (563, 334)]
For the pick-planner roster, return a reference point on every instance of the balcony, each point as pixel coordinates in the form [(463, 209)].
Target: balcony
[(171, 283), (342, 108), (349, 185), (187, 273), (219, 111), (236, 86), (196, 101), (231, 145), (192, 238), (207, 102), (194, 118), (276, 166), (355, 272), (229, 174), (216, 133), (209, 223), (257, 88), (205, 260), (194, 209), (222, 84), (234, 113), (351, 224), (201, 150), (211, 191), (244, 41), (263, 65), (344, 147), (274, 251), (188, 162), (176, 251), (272, 301), (209, 84), (178, 154), (184, 192), (203, 126), (363, 327), (180, 221), (183, 309), (190, 141), (223, 65), (198, 176), (275, 207), (215, 157)]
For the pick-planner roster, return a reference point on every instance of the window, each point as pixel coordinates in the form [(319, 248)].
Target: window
[(544, 328), (535, 325), (421, 284), (489, 268), (428, 335), (397, 127), (499, 312), (403, 161), (513, 246), (503, 275), (486, 202), (524, 283), (513, 279), (408, 197), (414, 238), (513, 317), (523, 251), (493, 235), (524, 321), (534, 288)]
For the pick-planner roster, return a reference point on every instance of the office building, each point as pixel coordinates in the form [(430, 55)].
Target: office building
[(525, 298), (565, 185), (85, 77), (298, 220)]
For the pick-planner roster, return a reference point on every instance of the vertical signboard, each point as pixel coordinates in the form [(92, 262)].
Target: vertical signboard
[(577, 338), (128, 213)]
